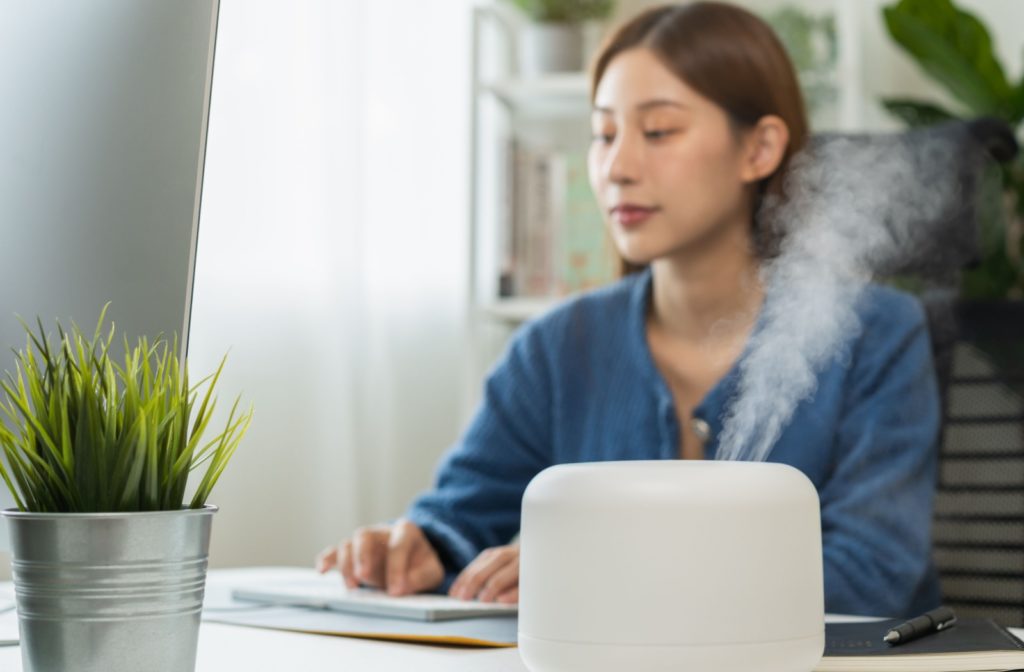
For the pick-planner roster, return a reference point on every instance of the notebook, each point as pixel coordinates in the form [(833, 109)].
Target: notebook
[(328, 592), (969, 646)]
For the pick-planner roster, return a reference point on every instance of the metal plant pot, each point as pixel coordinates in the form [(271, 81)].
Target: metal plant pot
[(550, 47), (110, 592)]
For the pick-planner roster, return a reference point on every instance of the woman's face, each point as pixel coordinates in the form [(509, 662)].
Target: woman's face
[(665, 165)]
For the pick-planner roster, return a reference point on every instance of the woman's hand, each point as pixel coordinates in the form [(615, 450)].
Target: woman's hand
[(397, 558), (493, 576)]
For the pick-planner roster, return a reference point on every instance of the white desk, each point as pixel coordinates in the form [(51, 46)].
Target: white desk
[(232, 648)]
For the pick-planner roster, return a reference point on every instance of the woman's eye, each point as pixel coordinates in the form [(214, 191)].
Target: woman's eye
[(659, 134), (603, 138)]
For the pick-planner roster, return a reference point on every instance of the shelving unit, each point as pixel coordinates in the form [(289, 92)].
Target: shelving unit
[(560, 94), (505, 104), (516, 310), (553, 110), (550, 110)]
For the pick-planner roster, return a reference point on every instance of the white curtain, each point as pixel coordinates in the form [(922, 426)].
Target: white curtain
[(333, 261)]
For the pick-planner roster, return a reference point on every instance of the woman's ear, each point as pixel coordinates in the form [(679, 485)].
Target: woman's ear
[(764, 147)]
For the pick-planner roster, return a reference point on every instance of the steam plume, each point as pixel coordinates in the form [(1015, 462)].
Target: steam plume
[(855, 208)]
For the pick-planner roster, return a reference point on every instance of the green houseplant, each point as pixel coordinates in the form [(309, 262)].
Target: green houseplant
[(566, 11), (109, 552), (552, 39), (955, 49)]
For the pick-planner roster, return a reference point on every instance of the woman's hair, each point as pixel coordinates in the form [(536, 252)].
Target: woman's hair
[(731, 57)]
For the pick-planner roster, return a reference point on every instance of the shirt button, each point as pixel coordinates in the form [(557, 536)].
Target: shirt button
[(701, 429)]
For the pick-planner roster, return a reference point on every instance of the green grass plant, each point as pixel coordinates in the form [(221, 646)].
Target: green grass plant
[(87, 434)]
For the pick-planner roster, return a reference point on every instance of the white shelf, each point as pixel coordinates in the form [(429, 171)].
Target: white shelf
[(518, 310), (560, 93)]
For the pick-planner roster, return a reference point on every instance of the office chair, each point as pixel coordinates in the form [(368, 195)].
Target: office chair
[(979, 516), (978, 534)]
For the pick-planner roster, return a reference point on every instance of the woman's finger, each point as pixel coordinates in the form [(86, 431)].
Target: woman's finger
[(510, 596), (459, 587), (503, 579), (425, 569), (345, 563), (369, 556), (469, 583), (402, 543), (326, 559)]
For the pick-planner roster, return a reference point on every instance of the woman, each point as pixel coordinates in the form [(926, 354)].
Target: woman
[(696, 113)]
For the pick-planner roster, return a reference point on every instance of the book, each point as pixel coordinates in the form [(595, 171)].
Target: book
[(586, 256), (972, 645), (556, 241), (532, 222)]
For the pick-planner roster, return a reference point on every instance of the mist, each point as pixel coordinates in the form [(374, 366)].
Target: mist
[(856, 209)]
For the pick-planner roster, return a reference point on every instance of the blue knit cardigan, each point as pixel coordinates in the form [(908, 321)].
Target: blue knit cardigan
[(579, 384)]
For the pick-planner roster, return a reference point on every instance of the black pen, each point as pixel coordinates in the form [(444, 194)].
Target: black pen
[(934, 621)]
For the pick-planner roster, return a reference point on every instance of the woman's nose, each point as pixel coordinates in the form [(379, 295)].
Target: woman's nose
[(623, 162)]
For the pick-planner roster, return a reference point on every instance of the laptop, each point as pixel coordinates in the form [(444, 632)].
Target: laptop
[(328, 592)]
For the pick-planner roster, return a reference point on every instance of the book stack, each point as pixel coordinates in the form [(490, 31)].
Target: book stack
[(555, 242)]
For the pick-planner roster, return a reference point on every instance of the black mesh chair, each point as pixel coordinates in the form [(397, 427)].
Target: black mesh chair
[(979, 354), (979, 516), (978, 536)]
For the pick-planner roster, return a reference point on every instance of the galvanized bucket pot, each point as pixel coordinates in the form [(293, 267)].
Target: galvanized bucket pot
[(110, 592)]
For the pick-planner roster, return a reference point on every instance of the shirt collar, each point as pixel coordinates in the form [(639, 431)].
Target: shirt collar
[(712, 408)]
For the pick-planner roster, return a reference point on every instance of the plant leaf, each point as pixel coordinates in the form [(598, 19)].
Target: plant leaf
[(916, 113), (1017, 108), (955, 49), (85, 433)]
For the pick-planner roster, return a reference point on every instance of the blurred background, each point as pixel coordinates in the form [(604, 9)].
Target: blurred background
[(362, 253)]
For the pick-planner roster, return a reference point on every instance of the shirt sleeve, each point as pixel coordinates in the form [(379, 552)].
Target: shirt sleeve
[(476, 499), (876, 507)]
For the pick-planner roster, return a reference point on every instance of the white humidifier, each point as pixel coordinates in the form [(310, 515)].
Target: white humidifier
[(671, 565)]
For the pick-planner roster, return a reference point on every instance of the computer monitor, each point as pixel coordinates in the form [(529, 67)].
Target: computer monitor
[(102, 144)]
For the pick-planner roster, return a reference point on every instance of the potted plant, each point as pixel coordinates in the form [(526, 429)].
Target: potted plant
[(109, 557), (553, 38), (955, 49)]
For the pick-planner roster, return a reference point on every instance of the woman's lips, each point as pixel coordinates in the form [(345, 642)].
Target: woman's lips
[(632, 216)]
